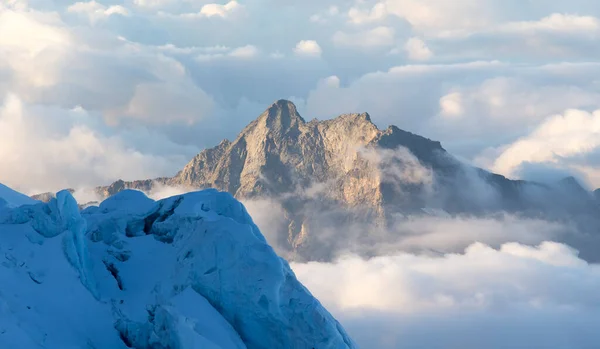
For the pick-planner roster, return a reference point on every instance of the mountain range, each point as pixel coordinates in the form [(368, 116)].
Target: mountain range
[(344, 171)]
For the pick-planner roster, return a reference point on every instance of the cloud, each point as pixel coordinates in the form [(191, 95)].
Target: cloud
[(34, 56), (417, 50), (481, 298), (509, 102), (245, 52), (45, 148), (324, 16), (270, 217), (443, 19), (248, 51), (210, 10), (451, 105), (170, 48), (376, 92), (52, 63), (375, 14), (464, 105), (188, 9), (398, 166), (308, 48), (277, 55), (435, 17), (215, 10), (14, 4), (554, 38), (559, 138), (86, 195), (453, 234), (484, 29), (431, 233), (557, 22), (152, 3), (381, 36), (160, 191), (469, 281), (96, 11), (167, 103)]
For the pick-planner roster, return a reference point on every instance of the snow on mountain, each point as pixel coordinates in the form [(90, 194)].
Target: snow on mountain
[(13, 198), (190, 271)]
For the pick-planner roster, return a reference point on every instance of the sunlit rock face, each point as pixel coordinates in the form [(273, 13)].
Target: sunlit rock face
[(346, 171)]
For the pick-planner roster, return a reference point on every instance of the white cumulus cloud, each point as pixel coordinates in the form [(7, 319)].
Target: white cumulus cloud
[(248, 51), (48, 148), (375, 14), (308, 48), (451, 105), (417, 50), (575, 133), (217, 10), (96, 11)]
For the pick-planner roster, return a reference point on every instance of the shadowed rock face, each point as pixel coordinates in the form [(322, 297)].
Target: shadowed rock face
[(348, 169)]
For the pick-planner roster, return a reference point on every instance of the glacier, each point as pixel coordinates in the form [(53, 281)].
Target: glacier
[(189, 271)]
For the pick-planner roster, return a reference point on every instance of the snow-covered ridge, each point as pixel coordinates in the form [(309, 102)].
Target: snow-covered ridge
[(11, 198), (191, 271)]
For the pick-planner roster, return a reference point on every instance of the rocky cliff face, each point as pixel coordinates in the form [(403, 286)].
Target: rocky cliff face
[(345, 168), (280, 152), (314, 165)]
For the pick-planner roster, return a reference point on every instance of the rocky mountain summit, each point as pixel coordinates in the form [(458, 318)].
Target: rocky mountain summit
[(346, 169), (280, 152), (315, 166)]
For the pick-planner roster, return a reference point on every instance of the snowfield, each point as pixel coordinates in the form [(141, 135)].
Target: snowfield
[(190, 271)]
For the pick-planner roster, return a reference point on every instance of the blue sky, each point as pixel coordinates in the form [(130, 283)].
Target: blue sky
[(95, 91)]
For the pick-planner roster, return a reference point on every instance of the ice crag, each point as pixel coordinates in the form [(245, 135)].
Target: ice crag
[(11, 198), (191, 271)]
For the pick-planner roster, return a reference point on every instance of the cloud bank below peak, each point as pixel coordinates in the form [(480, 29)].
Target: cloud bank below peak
[(511, 297)]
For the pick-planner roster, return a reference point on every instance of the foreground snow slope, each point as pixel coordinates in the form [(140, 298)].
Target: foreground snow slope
[(13, 198), (191, 271)]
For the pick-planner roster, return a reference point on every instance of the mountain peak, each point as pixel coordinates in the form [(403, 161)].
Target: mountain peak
[(366, 116), (571, 183), (283, 111), (281, 117)]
